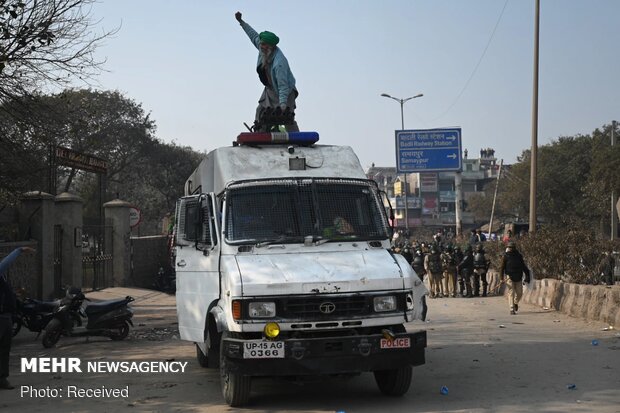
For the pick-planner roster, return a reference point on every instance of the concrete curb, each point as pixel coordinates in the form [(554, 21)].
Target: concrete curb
[(589, 302)]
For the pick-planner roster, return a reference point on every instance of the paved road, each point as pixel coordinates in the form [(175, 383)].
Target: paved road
[(489, 360)]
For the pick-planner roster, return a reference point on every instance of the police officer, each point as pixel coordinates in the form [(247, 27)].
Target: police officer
[(449, 271), (407, 253), (481, 266), (513, 266), (432, 265), (466, 268), (418, 263), (458, 257)]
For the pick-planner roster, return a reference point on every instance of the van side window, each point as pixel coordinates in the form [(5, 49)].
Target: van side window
[(191, 219)]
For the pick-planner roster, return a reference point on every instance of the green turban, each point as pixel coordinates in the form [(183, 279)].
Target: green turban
[(269, 38)]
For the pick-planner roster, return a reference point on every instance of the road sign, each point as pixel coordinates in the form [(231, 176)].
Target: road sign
[(428, 150), (135, 216)]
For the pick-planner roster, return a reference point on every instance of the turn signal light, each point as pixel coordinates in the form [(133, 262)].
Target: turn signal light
[(236, 310)]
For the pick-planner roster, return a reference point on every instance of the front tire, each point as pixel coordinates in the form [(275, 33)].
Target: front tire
[(235, 387), (394, 382), (52, 333)]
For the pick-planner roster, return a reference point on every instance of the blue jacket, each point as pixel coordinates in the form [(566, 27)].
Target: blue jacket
[(8, 260), (281, 75)]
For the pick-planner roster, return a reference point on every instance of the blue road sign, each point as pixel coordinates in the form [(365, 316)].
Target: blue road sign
[(428, 150)]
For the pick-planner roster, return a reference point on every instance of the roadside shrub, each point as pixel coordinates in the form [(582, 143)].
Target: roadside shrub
[(571, 255)]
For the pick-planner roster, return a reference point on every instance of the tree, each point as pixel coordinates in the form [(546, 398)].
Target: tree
[(576, 175), (50, 42)]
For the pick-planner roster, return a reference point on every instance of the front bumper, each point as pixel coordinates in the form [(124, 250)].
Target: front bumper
[(333, 355)]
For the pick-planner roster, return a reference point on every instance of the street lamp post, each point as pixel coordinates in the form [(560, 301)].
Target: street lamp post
[(402, 123)]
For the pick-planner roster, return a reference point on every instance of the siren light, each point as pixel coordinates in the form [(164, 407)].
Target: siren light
[(266, 138)]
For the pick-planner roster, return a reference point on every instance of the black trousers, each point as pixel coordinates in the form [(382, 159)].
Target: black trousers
[(6, 335)]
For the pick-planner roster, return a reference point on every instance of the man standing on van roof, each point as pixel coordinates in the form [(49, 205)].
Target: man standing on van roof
[(273, 72)]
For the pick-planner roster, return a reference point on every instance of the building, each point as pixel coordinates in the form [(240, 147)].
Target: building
[(431, 196)]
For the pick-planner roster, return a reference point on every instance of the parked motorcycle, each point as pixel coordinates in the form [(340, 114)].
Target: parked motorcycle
[(33, 314), (110, 318)]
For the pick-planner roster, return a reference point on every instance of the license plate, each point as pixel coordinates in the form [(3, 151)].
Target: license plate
[(261, 349), (402, 342)]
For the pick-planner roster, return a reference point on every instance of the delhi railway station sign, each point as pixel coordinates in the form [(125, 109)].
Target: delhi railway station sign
[(428, 150)]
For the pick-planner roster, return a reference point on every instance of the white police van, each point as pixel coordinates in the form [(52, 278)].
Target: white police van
[(284, 268)]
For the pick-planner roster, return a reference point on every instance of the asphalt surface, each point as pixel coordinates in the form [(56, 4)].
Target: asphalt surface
[(488, 361)]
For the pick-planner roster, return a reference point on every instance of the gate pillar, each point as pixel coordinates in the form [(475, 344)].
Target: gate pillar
[(69, 214), (117, 214), (36, 221)]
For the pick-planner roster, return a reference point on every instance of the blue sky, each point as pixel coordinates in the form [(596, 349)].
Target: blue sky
[(191, 66)]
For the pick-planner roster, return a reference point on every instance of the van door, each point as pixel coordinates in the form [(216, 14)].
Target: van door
[(197, 263)]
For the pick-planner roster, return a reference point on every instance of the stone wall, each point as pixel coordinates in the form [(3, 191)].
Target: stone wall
[(589, 302)]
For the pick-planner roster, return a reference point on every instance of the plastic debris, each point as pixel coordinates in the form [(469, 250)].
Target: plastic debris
[(545, 308), (502, 326), (444, 390), (595, 342), (571, 386), (608, 328)]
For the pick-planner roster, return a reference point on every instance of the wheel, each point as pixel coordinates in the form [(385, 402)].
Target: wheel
[(51, 334), (394, 382), (212, 358), (17, 325), (121, 334), (235, 387)]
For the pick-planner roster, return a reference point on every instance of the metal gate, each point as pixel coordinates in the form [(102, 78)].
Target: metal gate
[(58, 260), (97, 257)]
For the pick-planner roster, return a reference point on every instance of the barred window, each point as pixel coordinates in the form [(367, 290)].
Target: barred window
[(289, 210)]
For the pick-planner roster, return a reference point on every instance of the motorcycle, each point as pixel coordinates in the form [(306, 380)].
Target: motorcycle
[(110, 318), (33, 314)]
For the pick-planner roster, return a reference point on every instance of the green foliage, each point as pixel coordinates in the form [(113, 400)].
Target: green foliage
[(575, 177), (571, 254), (142, 170)]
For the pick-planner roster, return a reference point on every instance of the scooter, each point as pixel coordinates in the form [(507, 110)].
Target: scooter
[(110, 318), (33, 314)]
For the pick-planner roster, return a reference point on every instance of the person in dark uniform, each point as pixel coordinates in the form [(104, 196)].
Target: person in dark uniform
[(458, 257), (513, 266), (466, 268), (418, 263), (606, 267), (481, 265), (8, 306)]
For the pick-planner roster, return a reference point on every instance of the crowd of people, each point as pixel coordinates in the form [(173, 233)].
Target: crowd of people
[(459, 269)]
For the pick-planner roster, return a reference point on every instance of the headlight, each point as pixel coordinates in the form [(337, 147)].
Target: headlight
[(262, 310), (385, 303)]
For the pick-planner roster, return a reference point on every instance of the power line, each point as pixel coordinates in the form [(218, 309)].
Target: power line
[(476, 67)]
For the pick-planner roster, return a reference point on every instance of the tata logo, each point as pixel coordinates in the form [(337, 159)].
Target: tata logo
[(327, 308)]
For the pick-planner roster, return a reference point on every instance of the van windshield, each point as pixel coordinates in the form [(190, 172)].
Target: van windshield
[(287, 211)]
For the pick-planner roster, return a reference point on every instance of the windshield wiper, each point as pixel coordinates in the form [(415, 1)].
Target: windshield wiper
[(277, 240)]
